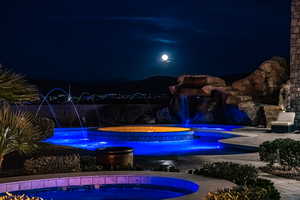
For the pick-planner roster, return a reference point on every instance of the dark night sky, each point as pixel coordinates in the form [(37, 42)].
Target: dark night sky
[(123, 39)]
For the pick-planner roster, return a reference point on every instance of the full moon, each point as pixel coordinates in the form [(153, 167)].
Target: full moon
[(165, 57)]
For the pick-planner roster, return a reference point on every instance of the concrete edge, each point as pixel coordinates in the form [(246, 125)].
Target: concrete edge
[(57, 180)]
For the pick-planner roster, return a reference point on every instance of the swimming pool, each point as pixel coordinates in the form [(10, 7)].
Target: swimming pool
[(108, 187), (205, 141)]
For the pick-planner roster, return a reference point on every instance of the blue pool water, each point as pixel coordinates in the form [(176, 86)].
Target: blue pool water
[(109, 192), (213, 127), (205, 142)]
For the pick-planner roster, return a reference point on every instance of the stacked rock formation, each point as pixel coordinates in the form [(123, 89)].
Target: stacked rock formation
[(190, 85), (252, 94)]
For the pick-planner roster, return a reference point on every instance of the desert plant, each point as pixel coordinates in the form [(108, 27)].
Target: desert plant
[(237, 173), (10, 196), (17, 132), (53, 164), (46, 126), (15, 89)]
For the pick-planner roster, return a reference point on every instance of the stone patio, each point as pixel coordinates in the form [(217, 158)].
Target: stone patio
[(253, 137)]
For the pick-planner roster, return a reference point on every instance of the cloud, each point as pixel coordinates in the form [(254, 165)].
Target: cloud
[(165, 41), (165, 23), (158, 37), (164, 30), (162, 22)]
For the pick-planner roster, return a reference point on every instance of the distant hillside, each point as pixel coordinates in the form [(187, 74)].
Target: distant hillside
[(154, 84)]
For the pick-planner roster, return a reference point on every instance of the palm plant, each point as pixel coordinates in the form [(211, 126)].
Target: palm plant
[(17, 132), (15, 89), (10, 196)]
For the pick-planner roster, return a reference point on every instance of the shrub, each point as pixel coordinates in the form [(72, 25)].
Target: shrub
[(17, 132), (53, 164), (268, 152), (243, 193), (46, 126), (236, 173), (9, 196), (246, 176), (272, 192), (285, 152), (262, 189)]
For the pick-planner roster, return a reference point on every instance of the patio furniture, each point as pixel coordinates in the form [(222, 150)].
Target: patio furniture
[(284, 123)]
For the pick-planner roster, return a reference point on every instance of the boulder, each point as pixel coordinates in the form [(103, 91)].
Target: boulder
[(165, 116), (251, 109), (265, 82), (186, 91), (201, 80), (284, 96), (234, 115), (190, 85), (207, 89), (203, 118), (271, 113), (249, 100)]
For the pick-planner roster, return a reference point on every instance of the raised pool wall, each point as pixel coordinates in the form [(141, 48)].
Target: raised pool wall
[(201, 185)]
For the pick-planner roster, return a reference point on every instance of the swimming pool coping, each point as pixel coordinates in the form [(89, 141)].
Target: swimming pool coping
[(205, 184)]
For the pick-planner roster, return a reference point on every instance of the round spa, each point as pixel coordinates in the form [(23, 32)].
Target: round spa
[(104, 187), (146, 133)]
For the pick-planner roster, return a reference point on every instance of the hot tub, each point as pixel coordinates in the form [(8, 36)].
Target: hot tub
[(109, 187), (175, 186)]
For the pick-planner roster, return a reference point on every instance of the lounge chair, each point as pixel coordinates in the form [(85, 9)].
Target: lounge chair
[(284, 123)]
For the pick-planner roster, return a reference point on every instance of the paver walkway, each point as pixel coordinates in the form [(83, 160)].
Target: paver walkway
[(289, 189)]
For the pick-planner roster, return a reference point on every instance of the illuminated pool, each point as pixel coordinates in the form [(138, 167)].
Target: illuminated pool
[(117, 187), (203, 142)]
